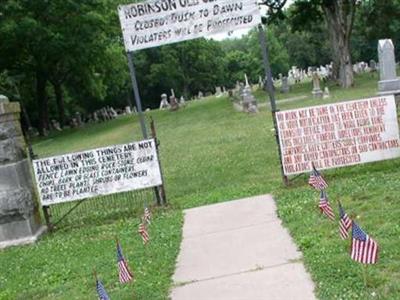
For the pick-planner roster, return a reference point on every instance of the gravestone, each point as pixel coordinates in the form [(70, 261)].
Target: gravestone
[(246, 80), (112, 113), (218, 91), (164, 104), (78, 119), (173, 103), (317, 92), (200, 95), (56, 125), (182, 101), (389, 82), (260, 82), (249, 103), (95, 117), (128, 110), (372, 65), (285, 85), (327, 94), (19, 216)]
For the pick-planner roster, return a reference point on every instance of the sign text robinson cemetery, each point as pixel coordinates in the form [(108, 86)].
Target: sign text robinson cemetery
[(101, 171), (158, 22), (340, 134)]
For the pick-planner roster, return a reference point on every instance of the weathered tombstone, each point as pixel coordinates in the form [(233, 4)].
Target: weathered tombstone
[(19, 216), (56, 125), (246, 80), (260, 82), (200, 95), (74, 123), (164, 104), (317, 92), (112, 113), (356, 69), (249, 103), (218, 91), (95, 117), (326, 94), (389, 82), (173, 103), (285, 85), (128, 110), (372, 65), (182, 101), (237, 86), (78, 119)]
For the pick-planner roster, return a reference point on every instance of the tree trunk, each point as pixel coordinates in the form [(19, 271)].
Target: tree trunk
[(42, 100), (60, 103), (339, 17)]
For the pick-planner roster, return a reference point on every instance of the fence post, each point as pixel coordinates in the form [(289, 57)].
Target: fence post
[(161, 188), (47, 217)]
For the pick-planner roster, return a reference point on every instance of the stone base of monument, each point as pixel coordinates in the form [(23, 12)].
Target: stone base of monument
[(19, 215), (317, 93), (389, 87), (20, 233)]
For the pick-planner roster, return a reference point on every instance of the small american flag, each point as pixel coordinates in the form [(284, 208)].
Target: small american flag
[(125, 274), (363, 249), (147, 215), (344, 223), (143, 232), (101, 291), (325, 206), (316, 180)]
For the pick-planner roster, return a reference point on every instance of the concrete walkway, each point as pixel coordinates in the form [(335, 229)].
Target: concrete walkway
[(239, 250)]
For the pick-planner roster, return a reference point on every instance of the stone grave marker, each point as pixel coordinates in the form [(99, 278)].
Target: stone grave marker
[(164, 104), (326, 94), (389, 82), (316, 92), (173, 103), (285, 85)]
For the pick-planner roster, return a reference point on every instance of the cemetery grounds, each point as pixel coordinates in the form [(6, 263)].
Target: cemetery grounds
[(209, 154)]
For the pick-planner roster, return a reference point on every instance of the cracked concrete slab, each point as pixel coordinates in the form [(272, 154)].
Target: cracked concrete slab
[(239, 250)]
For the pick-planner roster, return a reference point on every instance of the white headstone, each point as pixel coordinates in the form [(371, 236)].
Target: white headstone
[(389, 82)]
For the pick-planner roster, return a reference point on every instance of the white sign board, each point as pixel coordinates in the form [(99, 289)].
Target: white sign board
[(159, 22), (97, 172), (340, 134)]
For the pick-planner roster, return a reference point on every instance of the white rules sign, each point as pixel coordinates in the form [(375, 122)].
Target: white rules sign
[(159, 22), (102, 171), (340, 134)]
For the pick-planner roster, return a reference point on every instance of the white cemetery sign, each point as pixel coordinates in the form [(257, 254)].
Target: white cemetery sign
[(158, 22), (340, 134), (101, 171)]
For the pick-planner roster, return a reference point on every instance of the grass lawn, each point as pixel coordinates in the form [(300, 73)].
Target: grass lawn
[(210, 153)]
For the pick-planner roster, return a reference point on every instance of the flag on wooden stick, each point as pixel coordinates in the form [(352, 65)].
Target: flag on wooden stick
[(344, 223), (316, 180), (363, 249), (147, 215), (101, 291), (143, 232), (325, 206), (125, 275)]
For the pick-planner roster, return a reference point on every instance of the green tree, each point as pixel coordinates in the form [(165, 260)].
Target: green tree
[(339, 17), (375, 20), (64, 43)]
